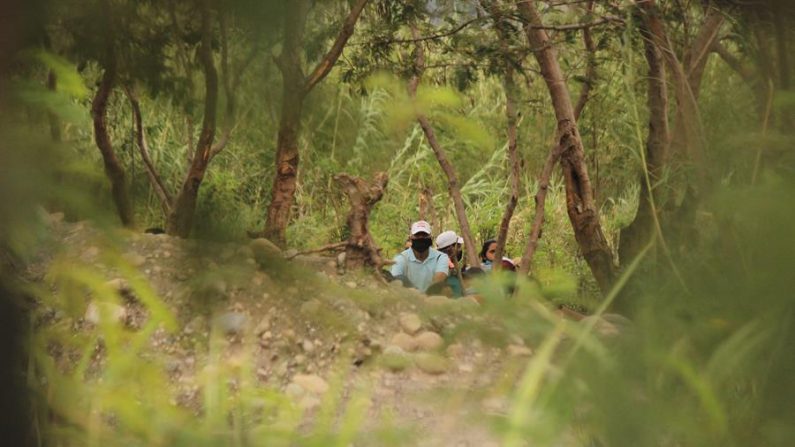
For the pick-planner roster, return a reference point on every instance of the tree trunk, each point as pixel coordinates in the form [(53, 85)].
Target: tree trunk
[(284, 183), (180, 219), (452, 179), (295, 87), (113, 168), (361, 249), (635, 237), (580, 204), (54, 121)]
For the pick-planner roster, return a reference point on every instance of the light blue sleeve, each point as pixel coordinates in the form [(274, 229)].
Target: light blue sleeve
[(398, 268), (442, 265)]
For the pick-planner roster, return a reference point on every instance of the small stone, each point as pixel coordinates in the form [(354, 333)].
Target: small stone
[(56, 218), (90, 252), (291, 253), (351, 284), (465, 368), (94, 312), (403, 341), (118, 285), (428, 341), (308, 346), (410, 322), (431, 363), (519, 351), (262, 372), (309, 402), (311, 383), (294, 390), (231, 322), (310, 307), (135, 259), (262, 326), (455, 350), (395, 359), (437, 300), (264, 250)]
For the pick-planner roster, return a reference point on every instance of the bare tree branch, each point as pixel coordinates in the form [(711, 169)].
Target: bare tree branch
[(590, 70), (327, 63), (140, 138)]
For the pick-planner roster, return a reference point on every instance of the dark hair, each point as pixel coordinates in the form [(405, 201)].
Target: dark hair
[(486, 248)]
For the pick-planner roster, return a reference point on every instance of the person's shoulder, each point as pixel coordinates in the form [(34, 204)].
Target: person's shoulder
[(403, 254), (436, 254)]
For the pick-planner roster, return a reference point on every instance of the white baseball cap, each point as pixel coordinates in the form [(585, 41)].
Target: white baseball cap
[(420, 226), (446, 239)]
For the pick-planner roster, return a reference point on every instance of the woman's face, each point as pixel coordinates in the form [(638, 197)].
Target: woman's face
[(490, 252)]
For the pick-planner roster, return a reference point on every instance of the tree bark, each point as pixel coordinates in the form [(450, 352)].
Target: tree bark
[(590, 68), (637, 235), (113, 168), (180, 219), (360, 249), (580, 203), (295, 87), (452, 179), (54, 121)]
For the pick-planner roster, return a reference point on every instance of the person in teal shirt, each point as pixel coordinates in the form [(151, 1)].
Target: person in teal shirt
[(420, 266), (451, 244)]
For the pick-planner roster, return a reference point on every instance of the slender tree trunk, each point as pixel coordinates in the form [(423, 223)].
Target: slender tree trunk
[(580, 203), (55, 123), (781, 49), (639, 232), (295, 87), (113, 168), (180, 219), (360, 249), (515, 164), (452, 179), (287, 157)]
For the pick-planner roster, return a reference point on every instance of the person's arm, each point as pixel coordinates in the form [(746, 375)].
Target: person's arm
[(398, 268), (441, 269)]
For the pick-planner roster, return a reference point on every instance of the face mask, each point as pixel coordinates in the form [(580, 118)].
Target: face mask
[(421, 245)]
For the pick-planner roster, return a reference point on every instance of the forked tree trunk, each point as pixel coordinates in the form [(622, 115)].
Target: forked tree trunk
[(180, 219), (295, 87), (580, 203), (640, 231), (113, 168), (361, 249), (452, 179)]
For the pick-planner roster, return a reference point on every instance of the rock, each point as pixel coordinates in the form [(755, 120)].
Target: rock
[(403, 341), (311, 383), (216, 287), (291, 253), (431, 363), (308, 346), (519, 351), (90, 252), (309, 402), (135, 259), (351, 284), (264, 249), (294, 390), (96, 311), (410, 322), (428, 341), (437, 300), (395, 359), (262, 326), (601, 326), (56, 218), (310, 307), (455, 350), (118, 285), (231, 322), (195, 325)]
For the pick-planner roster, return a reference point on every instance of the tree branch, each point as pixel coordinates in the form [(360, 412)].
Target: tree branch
[(143, 148), (590, 70), (327, 63)]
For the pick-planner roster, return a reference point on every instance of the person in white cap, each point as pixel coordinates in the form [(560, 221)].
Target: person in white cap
[(450, 244), (420, 266)]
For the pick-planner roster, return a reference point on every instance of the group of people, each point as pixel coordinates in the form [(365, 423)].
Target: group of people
[(442, 270)]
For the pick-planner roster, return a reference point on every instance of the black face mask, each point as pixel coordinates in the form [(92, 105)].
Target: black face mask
[(421, 245)]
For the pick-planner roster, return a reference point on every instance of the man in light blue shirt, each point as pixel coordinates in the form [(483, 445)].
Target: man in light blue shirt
[(421, 266)]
